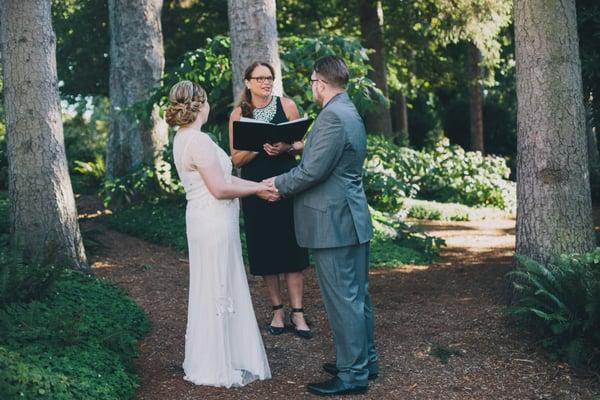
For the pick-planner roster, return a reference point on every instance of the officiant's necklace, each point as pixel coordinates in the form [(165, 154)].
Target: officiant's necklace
[(265, 113)]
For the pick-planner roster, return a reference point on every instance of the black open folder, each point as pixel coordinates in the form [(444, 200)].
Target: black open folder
[(251, 134)]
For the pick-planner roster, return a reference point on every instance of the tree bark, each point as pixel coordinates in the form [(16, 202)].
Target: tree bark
[(371, 26), (43, 216), (592, 142), (401, 118), (554, 210), (475, 72), (253, 31), (136, 66)]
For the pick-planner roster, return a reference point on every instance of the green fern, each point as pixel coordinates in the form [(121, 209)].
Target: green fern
[(560, 302)]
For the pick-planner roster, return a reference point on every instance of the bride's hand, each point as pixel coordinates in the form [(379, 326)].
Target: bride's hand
[(267, 192)]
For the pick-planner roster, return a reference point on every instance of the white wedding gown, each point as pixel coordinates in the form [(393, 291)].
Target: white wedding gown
[(223, 346)]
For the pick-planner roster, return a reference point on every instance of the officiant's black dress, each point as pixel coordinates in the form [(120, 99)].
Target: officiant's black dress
[(269, 226)]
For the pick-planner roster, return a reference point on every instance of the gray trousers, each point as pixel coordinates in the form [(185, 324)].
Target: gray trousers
[(343, 277)]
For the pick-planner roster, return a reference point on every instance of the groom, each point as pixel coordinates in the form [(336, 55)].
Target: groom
[(332, 218)]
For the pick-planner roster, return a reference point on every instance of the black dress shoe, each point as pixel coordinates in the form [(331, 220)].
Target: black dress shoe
[(276, 330), (335, 386), (332, 369)]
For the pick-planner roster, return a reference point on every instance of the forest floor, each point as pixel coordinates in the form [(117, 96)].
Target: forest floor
[(454, 307)]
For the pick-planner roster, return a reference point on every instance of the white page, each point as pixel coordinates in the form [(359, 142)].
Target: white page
[(256, 121), (294, 121)]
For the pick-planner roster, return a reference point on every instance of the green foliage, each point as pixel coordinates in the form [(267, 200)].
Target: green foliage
[(77, 343), (85, 125), (162, 223), (91, 173), (588, 24), (298, 56), (21, 282), (395, 244), (210, 67), (446, 173), (421, 212), (4, 228), (145, 184), (467, 177), (82, 46), (559, 301)]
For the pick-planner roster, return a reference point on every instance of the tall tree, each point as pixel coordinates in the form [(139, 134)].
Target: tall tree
[(371, 27), (554, 210), (136, 66), (43, 217), (475, 77), (253, 31)]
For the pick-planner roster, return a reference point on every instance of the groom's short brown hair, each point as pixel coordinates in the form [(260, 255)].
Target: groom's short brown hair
[(333, 70)]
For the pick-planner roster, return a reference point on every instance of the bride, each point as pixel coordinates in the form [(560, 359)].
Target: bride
[(223, 346)]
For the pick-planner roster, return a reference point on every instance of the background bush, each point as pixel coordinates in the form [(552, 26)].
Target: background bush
[(445, 173), (560, 303)]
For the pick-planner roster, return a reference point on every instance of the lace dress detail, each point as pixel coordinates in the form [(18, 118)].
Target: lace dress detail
[(223, 346)]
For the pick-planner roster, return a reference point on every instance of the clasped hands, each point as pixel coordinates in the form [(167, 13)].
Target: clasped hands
[(268, 191)]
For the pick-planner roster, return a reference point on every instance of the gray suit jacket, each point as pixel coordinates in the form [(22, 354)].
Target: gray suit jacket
[(330, 206)]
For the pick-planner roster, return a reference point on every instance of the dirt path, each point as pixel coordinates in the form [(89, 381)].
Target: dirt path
[(455, 303)]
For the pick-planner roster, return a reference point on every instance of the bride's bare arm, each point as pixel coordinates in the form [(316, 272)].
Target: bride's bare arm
[(204, 159)]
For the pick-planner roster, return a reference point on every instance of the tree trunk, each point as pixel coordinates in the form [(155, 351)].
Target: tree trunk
[(136, 66), (554, 210), (253, 31), (475, 72), (402, 118), (371, 27), (592, 142), (43, 216)]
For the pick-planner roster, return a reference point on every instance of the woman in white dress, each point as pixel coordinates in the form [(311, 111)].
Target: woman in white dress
[(223, 346)]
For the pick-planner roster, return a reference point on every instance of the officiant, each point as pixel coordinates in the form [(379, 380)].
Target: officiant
[(269, 226)]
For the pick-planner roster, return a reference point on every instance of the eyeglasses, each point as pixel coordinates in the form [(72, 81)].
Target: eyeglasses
[(317, 80), (263, 79)]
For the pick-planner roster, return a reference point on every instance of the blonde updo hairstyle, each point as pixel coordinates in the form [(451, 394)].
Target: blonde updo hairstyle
[(186, 101)]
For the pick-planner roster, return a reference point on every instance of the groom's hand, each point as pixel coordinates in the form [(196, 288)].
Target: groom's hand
[(268, 191)]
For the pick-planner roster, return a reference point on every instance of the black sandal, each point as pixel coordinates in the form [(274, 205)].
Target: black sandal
[(304, 334), (276, 330)]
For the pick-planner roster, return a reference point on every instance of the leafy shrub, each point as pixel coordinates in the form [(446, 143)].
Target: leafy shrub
[(394, 243), (77, 343), (467, 177), (447, 174), (421, 212), (145, 184), (22, 282), (559, 301), (298, 56), (85, 128), (162, 223), (90, 174)]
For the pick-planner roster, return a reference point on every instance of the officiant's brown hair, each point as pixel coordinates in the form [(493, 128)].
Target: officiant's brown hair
[(245, 100), (186, 99)]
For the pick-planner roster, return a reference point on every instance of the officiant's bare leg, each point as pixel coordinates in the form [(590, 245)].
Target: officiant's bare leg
[(295, 284), (273, 288)]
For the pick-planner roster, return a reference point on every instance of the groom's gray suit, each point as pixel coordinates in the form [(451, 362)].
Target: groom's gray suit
[(332, 218)]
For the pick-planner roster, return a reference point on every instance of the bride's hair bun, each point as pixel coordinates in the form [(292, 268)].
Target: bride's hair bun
[(186, 99)]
